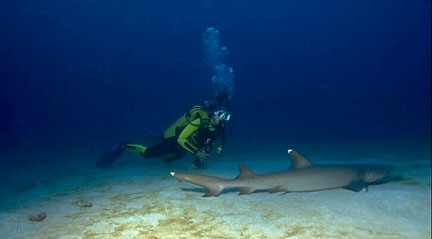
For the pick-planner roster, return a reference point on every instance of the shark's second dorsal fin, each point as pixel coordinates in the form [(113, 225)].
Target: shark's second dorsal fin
[(245, 172), (298, 161)]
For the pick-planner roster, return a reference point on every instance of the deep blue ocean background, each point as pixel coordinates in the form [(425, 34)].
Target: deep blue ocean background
[(78, 76)]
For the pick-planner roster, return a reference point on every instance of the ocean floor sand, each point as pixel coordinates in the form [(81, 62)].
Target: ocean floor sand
[(139, 199)]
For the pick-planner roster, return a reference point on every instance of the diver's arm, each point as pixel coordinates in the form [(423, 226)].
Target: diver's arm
[(186, 133), (222, 144)]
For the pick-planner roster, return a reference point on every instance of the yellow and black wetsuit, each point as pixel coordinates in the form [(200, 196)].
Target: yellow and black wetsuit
[(199, 135), (184, 136), (195, 112)]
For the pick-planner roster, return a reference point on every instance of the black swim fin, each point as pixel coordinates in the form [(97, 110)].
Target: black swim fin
[(109, 157)]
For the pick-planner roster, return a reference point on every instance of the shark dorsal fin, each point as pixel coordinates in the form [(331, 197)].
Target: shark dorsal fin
[(298, 161), (244, 172)]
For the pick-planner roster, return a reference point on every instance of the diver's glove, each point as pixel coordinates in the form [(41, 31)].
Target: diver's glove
[(202, 156), (200, 159)]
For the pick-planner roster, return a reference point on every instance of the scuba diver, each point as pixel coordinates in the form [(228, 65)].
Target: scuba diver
[(194, 133)]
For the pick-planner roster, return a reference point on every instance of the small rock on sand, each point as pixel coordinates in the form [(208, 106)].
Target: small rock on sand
[(37, 216), (83, 203)]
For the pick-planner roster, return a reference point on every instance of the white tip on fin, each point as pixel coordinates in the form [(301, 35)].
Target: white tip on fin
[(289, 151), (172, 173)]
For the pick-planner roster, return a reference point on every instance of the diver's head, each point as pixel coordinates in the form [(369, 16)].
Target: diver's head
[(220, 114)]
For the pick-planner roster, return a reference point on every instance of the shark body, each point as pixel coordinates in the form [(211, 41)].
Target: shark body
[(303, 176)]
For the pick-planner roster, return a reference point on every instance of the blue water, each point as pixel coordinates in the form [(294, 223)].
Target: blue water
[(78, 76)]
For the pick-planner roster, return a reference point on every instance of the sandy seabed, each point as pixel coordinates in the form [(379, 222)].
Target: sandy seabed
[(141, 200)]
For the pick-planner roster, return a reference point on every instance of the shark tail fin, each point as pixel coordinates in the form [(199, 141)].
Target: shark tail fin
[(213, 185)]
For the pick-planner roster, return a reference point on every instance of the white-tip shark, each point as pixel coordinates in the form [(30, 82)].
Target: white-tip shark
[(303, 176)]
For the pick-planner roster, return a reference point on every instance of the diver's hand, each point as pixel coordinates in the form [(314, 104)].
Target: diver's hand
[(202, 156)]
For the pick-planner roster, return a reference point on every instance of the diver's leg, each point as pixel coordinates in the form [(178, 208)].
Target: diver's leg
[(109, 157), (174, 156), (167, 149), (136, 148)]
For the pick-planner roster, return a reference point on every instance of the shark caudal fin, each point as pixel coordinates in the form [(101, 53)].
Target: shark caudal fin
[(298, 161), (213, 185)]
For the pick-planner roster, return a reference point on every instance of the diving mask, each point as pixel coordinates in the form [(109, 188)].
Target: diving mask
[(222, 115)]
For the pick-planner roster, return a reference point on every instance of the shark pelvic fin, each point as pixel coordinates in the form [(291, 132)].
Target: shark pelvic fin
[(213, 192), (275, 190), (245, 172), (245, 191), (298, 161)]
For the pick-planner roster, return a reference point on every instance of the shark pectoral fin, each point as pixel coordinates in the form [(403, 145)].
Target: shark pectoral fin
[(357, 186), (245, 191), (213, 185), (275, 190), (213, 191)]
